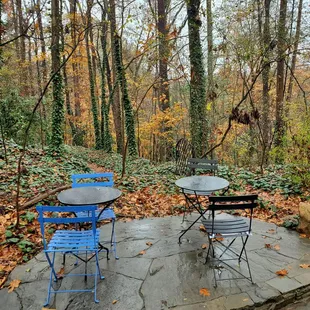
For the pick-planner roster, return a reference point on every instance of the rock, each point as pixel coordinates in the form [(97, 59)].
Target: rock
[(304, 222)]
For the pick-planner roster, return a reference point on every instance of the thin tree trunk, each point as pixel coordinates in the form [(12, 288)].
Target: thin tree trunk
[(116, 107), (42, 40), (211, 96), (265, 79), (295, 49), (91, 78), (279, 126), (105, 123), (58, 100)]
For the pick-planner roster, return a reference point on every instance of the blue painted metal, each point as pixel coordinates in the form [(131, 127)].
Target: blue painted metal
[(106, 213), (70, 241)]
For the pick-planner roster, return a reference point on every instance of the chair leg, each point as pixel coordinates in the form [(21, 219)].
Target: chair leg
[(113, 239), (96, 277), (51, 263)]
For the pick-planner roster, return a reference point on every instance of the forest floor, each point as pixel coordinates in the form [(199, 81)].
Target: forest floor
[(148, 191)]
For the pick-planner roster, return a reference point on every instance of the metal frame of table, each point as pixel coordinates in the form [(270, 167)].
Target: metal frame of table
[(199, 186), (92, 195)]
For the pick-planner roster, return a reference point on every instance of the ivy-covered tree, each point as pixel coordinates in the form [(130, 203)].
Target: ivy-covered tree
[(129, 119), (106, 138), (56, 140), (198, 80)]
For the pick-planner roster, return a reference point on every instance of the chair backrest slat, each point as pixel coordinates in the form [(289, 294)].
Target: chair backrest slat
[(245, 202), (202, 163), (107, 176), (46, 218)]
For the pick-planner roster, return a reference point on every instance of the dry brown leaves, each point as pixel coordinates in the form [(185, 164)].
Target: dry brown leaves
[(114, 302), (305, 266), (204, 246), (204, 292), (142, 252), (282, 272), (202, 228), (149, 243), (61, 273), (13, 285), (275, 247)]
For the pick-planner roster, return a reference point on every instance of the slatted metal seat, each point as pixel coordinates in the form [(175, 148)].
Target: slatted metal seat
[(234, 228), (77, 243), (98, 179)]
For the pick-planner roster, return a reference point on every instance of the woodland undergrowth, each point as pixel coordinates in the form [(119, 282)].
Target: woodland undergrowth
[(148, 190)]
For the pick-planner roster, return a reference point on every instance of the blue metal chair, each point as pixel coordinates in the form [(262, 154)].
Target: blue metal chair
[(102, 214), (75, 242)]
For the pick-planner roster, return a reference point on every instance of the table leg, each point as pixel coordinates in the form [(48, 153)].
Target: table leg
[(196, 204)]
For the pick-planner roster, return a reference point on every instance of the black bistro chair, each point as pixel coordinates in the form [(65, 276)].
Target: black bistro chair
[(234, 227), (205, 165)]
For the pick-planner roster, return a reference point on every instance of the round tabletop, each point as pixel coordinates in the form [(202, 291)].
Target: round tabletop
[(91, 195), (202, 183)]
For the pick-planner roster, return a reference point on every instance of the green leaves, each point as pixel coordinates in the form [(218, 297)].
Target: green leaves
[(29, 216)]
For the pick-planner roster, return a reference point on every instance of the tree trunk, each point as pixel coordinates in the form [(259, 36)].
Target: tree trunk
[(129, 119), (67, 90), (211, 96), (42, 40), (116, 106), (295, 49), (91, 78), (105, 108), (279, 126), (197, 81), (265, 79), (58, 100), (164, 96)]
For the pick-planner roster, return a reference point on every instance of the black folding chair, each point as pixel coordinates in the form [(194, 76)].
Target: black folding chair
[(235, 227), (209, 165)]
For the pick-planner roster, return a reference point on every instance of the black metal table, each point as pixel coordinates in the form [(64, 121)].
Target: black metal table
[(199, 186), (90, 195)]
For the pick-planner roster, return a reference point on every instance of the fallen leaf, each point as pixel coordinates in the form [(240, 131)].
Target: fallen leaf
[(268, 245), (202, 228), (28, 270), (245, 299), (114, 301), (2, 281), (149, 243), (271, 231), (204, 246), (204, 291), (13, 285), (142, 252), (219, 239), (304, 266), (282, 272), (60, 273), (48, 308), (302, 236), (277, 247)]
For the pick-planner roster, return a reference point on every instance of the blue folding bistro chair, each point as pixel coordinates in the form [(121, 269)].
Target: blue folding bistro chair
[(98, 179), (75, 242)]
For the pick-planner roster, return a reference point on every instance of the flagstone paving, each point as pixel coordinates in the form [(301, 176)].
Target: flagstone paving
[(167, 275)]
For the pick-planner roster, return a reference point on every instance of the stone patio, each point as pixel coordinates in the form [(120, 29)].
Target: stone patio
[(170, 275)]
